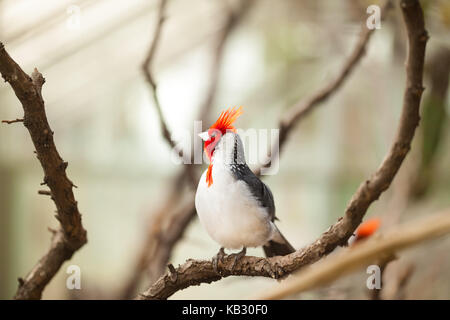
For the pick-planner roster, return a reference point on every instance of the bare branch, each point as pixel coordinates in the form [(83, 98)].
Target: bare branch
[(146, 66), (302, 108), (72, 235), (350, 259), (160, 241), (196, 272), (146, 69), (12, 121), (234, 17), (44, 192)]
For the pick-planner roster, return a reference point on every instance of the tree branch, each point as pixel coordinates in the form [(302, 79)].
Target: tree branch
[(146, 66), (234, 17), (168, 225), (379, 247), (195, 272), (72, 235), (12, 121), (302, 108)]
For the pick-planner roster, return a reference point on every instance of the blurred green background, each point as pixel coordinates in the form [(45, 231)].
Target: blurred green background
[(106, 127)]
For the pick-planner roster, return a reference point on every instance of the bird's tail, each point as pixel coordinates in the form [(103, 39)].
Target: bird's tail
[(278, 246)]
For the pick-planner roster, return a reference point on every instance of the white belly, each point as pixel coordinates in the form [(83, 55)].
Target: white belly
[(229, 212)]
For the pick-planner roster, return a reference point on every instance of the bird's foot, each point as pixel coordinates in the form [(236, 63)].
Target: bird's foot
[(237, 257), (218, 257)]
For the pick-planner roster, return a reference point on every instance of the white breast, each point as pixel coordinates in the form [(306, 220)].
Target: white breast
[(229, 212)]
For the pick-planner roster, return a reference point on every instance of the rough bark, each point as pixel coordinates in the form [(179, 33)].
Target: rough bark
[(72, 235)]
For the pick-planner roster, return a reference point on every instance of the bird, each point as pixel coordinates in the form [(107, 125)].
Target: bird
[(234, 206)]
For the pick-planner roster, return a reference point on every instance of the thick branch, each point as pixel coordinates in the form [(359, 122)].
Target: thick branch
[(72, 234), (196, 272)]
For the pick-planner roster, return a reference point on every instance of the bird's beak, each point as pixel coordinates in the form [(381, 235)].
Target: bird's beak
[(204, 135)]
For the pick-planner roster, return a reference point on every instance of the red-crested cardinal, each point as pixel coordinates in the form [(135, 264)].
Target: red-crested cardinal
[(234, 206)]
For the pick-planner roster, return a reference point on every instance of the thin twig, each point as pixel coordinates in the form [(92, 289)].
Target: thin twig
[(302, 108), (72, 235), (167, 225), (147, 71), (234, 17), (195, 272), (146, 68), (12, 121)]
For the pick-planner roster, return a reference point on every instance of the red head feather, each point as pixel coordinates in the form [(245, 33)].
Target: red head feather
[(226, 120), (223, 124)]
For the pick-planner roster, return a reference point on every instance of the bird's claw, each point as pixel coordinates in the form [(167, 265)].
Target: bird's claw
[(218, 257), (237, 257)]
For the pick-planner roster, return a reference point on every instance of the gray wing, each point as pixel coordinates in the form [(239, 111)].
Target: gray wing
[(258, 188), (262, 194), (241, 171)]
